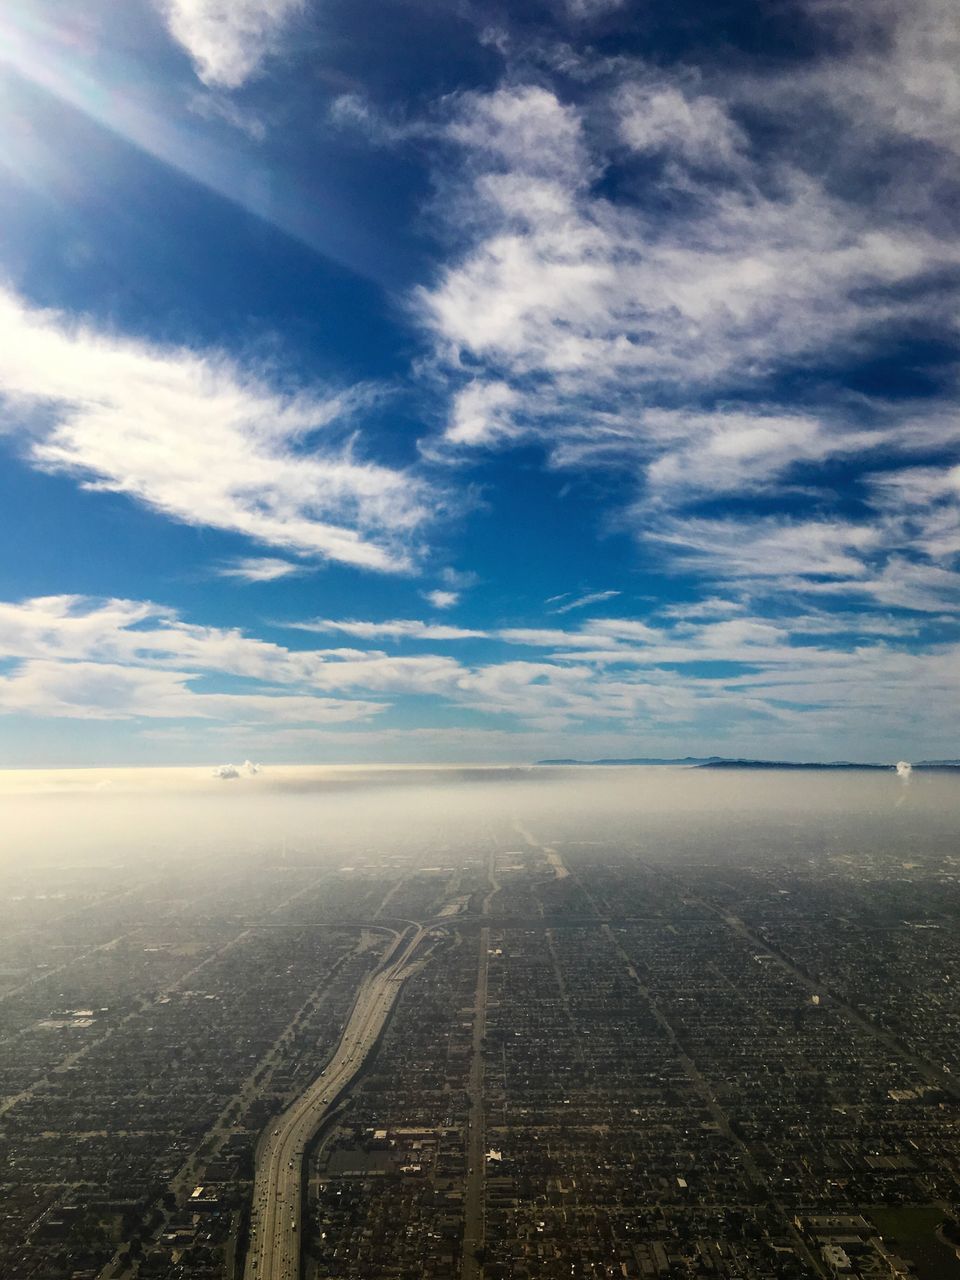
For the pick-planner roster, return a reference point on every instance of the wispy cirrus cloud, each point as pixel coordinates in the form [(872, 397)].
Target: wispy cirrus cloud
[(395, 629), (582, 602), (767, 547), (219, 107), (260, 569), (203, 441)]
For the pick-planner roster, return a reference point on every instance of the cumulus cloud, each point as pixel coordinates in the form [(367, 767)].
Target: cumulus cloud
[(228, 772), (201, 440), (228, 40)]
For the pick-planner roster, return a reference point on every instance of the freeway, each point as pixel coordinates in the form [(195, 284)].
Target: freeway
[(274, 1249)]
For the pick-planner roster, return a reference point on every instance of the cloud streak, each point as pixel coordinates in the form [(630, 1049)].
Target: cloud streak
[(199, 439), (260, 569), (581, 602), (395, 629)]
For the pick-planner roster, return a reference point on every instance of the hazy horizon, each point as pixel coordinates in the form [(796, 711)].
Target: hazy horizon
[(66, 811)]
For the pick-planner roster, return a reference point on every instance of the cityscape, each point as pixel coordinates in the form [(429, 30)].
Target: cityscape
[(536, 1046)]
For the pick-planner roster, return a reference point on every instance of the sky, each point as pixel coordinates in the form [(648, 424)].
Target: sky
[(462, 381)]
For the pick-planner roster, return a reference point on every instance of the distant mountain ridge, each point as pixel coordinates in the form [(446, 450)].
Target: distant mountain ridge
[(694, 761), (723, 762)]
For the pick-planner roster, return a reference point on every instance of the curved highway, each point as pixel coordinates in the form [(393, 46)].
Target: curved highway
[(274, 1249)]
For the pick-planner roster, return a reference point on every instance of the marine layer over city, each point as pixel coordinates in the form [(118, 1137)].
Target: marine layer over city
[(479, 640)]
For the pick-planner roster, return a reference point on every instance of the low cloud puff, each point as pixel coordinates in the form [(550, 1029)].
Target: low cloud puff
[(227, 772)]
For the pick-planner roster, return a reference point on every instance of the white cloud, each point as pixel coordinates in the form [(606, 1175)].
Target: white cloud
[(597, 633), (228, 40), (116, 660), (260, 569), (197, 438), (581, 602), (900, 583), (913, 487), (481, 413), (739, 451), (622, 628), (121, 659), (712, 607), (771, 547), (525, 129), (354, 111), (442, 599), (144, 635), (107, 691), (228, 772), (396, 629), (692, 126), (597, 298), (615, 334), (896, 68), (856, 623), (549, 637), (383, 674), (459, 579)]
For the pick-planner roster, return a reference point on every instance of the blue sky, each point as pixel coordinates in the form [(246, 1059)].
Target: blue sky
[(430, 380)]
